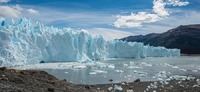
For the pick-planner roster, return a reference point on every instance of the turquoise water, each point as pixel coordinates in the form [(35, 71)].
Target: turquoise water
[(119, 70)]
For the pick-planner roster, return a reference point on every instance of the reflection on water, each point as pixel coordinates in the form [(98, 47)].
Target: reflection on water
[(148, 69)]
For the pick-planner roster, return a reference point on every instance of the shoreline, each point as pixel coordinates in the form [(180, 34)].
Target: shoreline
[(12, 80), (190, 54)]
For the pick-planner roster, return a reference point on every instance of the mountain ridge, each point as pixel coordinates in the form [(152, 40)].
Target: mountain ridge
[(184, 37)]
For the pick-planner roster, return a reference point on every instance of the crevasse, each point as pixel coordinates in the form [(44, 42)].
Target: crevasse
[(25, 42)]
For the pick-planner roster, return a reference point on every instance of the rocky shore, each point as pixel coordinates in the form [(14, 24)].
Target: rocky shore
[(39, 81)]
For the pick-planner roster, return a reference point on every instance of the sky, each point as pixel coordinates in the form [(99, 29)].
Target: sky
[(112, 19)]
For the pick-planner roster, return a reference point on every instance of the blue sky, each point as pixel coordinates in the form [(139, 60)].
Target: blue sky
[(110, 18)]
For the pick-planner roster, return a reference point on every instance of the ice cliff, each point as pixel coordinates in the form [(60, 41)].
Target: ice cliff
[(25, 42)]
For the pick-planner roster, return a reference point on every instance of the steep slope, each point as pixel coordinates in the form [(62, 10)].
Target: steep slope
[(186, 38)]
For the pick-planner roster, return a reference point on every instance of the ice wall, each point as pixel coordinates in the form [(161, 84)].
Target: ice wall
[(24, 42)]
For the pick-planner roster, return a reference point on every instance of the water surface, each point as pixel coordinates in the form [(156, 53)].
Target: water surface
[(147, 69)]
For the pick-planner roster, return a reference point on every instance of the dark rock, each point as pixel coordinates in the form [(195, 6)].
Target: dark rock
[(110, 80), (64, 80), (137, 80), (87, 87), (42, 62), (52, 82), (51, 89), (2, 68)]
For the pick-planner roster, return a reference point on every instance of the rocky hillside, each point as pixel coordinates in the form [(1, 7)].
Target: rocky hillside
[(186, 38)]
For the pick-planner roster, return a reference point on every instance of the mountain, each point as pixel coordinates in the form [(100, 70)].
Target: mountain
[(184, 37)]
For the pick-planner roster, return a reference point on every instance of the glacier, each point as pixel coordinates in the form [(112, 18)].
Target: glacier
[(26, 42)]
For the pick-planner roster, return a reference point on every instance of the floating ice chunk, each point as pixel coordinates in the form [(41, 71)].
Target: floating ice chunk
[(125, 64), (79, 67), (66, 72), (198, 81), (120, 71), (145, 64), (194, 70), (135, 67), (161, 75), (142, 74), (100, 71), (166, 65), (164, 82), (183, 70), (175, 67), (129, 75), (195, 86), (64, 66), (135, 71), (110, 88), (129, 90), (111, 66), (153, 85), (93, 73), (118, 88), (190, 78), (101, 65), (178, 77)]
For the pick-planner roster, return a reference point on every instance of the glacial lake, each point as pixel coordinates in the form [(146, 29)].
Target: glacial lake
[(121, 70)]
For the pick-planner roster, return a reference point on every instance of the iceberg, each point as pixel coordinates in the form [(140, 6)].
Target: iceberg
[(27, 42)]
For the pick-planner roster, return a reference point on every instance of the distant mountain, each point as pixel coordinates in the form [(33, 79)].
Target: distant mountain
[(186, 38)]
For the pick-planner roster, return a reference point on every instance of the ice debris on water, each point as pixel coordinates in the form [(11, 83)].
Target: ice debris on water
[(178, 77), (175, 67), (146, 64), (129, 90), (118, 88), (110, 88), (135, 67), (153, 85), (142, 74), (79, 67), (120, 71), (198, 81), (25, 42), (125, 64), (183, 70), (162, 75), (166, 65), (98, 71), (111, 66), (93, 73), (194, 70)]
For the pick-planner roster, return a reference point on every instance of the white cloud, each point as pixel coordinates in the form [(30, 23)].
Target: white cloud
[(10, 11), (177, 3), (136, 20), (4, 1), (109, 34), (32, 11), (187, 17), (159, 8), (17, 7), (15, 11)]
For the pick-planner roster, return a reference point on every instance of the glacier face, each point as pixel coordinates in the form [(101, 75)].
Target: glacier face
[(24, 42)]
